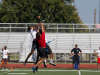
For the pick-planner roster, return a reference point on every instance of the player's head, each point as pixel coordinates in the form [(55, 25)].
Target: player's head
[(38, 35), (5, 47), (76, 46), (30, 27)]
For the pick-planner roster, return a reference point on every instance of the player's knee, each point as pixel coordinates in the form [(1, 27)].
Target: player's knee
[(31, 52)]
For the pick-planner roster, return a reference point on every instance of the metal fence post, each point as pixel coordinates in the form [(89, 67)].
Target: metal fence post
[(65, 56), (89, 28), (55, 52), (57, 28), (26, 28), (73, 28), (10, 28), (90, 48)]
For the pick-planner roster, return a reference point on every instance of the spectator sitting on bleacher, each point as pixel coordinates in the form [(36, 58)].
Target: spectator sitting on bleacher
[(76, 54)]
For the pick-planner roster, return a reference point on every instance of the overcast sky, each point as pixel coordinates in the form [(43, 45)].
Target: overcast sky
[(86, 10)]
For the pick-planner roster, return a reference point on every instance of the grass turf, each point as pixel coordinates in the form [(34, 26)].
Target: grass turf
[(30, 72)]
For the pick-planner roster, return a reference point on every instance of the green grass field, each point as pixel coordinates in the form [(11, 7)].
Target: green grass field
[(48, 71)]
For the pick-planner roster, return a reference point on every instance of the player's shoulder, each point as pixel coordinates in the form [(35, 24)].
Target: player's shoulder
[(73, 49), (79, 48)]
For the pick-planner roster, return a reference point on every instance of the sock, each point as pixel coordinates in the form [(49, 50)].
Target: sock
[(2, 67), (45, 60), (26, 59), (5, 67), (34, 67), (51, 60)]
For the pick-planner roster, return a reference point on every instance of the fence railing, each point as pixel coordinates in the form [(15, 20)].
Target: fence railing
[(54, 27)]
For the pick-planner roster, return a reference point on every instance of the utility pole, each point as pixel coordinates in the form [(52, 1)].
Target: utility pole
[(99, 11), (94, 20), (95, 16)]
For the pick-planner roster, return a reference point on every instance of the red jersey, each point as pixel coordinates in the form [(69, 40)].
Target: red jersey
[(41, 41)]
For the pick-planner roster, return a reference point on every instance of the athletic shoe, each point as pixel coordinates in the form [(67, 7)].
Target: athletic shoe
[(97, 69), (2, 69), (24, 63), (6, 69), (78, 69), (52, 64), (42, 21), (45, 64), (33, 69), (36, 69)]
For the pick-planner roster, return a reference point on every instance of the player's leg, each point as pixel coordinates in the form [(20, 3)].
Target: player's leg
[(32, 50), (97, 66), (45, 60), (78, 63), (6, 60), (39, 62), (51, 54), (2, 64), (74, 62), (98, 63), (42, 54)]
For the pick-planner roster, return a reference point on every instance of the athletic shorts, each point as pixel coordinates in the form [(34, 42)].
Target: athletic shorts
[(4, 61), (98, 60), (75, 59), (42, 52), (34, 44), (48, 50)]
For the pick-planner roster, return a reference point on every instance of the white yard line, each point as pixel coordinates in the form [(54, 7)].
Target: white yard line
[(4, 72), (55, 70), (16, 73), (79, 72)]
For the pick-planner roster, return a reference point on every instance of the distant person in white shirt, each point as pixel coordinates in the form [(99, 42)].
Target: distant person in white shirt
[(97, 53), (4, 57)]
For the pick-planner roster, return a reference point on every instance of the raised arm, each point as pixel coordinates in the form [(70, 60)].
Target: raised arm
[(3, 48), (36, 26), (42, 27)]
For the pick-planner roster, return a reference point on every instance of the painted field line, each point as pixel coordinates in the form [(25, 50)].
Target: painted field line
[(17, 73), (4, 72), (57, 70), (79, 72)]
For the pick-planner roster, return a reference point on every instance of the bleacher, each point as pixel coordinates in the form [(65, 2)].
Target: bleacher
[(13, 41), (21, 42)]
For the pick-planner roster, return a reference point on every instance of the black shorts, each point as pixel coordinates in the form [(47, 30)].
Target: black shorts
[(49, 51), (34, 44), (42, 52), (4, 60), (76, 59)]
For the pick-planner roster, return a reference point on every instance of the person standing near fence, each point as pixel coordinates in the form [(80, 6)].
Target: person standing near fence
[(4, 57), (76, 54), (97, 53)]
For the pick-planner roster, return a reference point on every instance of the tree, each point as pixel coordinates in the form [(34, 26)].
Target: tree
[(25, 11), (53, 11)]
